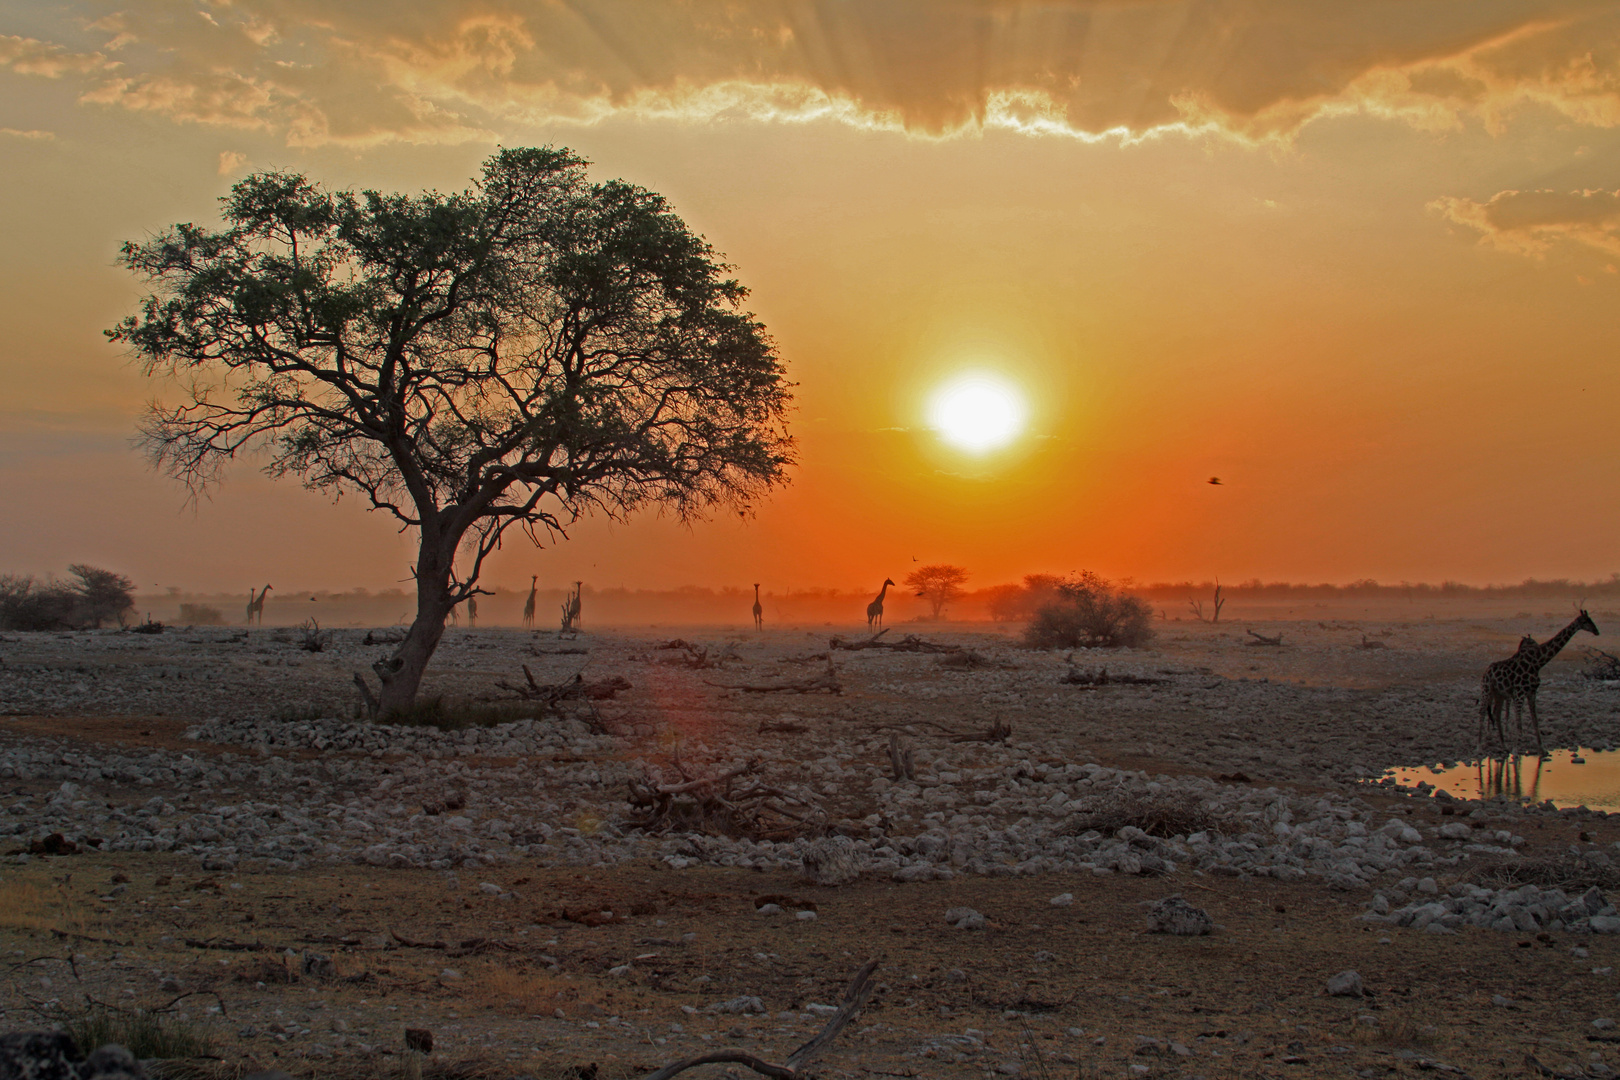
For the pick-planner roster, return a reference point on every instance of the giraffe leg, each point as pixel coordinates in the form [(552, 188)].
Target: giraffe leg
[(1535, 722)]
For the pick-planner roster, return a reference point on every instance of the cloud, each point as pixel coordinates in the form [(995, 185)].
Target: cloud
[(230, 161), (32, 133), (29, 56), (1531, 222), (365, 71)]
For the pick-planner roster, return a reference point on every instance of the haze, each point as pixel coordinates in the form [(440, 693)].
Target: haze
[(1357, 261)]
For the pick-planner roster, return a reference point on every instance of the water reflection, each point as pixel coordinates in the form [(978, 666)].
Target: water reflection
[(1583, 777)]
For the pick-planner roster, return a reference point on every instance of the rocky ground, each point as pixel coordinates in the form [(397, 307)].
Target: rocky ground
[(314, 883)]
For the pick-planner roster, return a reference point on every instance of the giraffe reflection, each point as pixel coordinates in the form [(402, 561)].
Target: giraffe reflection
[(1505, 776)]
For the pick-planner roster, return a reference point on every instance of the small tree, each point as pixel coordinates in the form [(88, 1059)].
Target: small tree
[(938, 584), (1090, 612), (521, 353), (103, 594)]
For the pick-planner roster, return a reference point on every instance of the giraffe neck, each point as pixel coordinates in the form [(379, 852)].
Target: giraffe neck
[(1554, 645), (882, 591)]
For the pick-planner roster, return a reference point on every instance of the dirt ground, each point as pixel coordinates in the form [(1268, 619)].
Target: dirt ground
[(518, 986)]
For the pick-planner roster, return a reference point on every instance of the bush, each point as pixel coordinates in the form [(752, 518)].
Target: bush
[(55, 605), (1089, 612), (201, 615), (454, 716), (144, 1034)]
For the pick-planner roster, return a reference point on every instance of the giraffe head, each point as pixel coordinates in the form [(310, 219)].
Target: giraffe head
[(1584, 622)]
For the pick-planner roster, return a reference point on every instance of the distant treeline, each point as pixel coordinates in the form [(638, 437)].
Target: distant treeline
[(613, 606)]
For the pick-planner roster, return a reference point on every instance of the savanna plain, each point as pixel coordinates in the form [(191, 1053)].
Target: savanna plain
[(200, 833)]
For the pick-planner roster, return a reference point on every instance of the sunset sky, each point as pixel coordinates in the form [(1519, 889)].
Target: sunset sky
[(1359, 260)]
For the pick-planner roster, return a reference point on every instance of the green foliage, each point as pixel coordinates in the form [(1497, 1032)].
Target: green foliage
[(525, 352), (1087, 611), (144, 1034)]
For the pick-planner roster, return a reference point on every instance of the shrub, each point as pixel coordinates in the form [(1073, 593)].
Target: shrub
[(201, 615), (1089, 612), (55, 605)]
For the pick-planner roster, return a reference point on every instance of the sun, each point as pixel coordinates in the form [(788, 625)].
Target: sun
[(977, 412)]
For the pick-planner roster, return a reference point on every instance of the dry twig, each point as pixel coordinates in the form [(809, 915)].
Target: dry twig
[(855, 997)]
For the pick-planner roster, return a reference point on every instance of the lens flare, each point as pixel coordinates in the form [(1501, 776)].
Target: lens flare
[(977, 412)]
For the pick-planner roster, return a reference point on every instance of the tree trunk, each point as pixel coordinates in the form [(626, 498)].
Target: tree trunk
[(401, 673)]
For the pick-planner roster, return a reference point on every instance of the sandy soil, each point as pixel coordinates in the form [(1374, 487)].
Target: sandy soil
[(1081, 990)]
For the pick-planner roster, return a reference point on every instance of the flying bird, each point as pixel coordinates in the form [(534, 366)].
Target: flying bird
[(1213, 480)]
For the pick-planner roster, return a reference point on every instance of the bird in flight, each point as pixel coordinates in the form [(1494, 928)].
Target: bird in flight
[(1213, 480)]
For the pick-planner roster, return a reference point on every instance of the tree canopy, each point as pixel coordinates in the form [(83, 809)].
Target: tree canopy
[(939, 584), (525, 352)]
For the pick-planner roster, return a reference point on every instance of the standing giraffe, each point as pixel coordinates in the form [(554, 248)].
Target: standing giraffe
[(570, 611), (1510, 685), (759, 610), (874, 610), (528, 606), (256, 606), (472, 612)]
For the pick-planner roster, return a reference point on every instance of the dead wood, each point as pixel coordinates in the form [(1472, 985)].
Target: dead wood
[(1601, 665), (719, 805), (909, 643), (576, 688), (827, 683), (855, 998), (998, 732), (1371, 643), (386, 637), (971, 660), (231, 946), (782, 727), (1075, 677), (901, 759), (367, 698), (1261, 639), (576, 650)]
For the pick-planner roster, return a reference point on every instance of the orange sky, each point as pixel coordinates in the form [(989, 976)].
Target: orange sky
[(1358, 260)]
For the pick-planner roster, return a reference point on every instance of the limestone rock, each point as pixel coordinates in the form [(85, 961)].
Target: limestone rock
[(832, 860)]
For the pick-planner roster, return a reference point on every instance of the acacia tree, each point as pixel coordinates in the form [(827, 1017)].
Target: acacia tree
[(939, 584), (519, 354)]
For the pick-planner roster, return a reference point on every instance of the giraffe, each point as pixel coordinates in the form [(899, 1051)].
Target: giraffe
[(472, 612), (528, 606), (256, 606), (1510, 685), (874, 610), (570, 611), (759, 610)]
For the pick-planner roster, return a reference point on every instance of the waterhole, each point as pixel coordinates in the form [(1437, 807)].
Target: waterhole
[(1589, 778)]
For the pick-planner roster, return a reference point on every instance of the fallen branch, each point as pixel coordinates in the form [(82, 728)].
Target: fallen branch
[(909, 643), (855, 998), (1371, 643), (999, 731), (782, 727), (1261, 639), (718, 805), (827, 682), (372, 705)]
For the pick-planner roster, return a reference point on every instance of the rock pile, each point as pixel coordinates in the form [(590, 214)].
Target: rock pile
[(1525, 909)]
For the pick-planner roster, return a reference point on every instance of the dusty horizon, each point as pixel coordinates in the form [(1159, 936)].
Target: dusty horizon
[(1360, 269)]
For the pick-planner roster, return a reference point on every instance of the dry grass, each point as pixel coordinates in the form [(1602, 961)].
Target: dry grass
[(1396, 1032), (534, 993), (27, 905), (1163, 814)]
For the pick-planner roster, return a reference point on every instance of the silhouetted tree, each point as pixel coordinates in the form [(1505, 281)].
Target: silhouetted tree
[(939, 584), (102, 594), (98, 596), (521, 353)]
